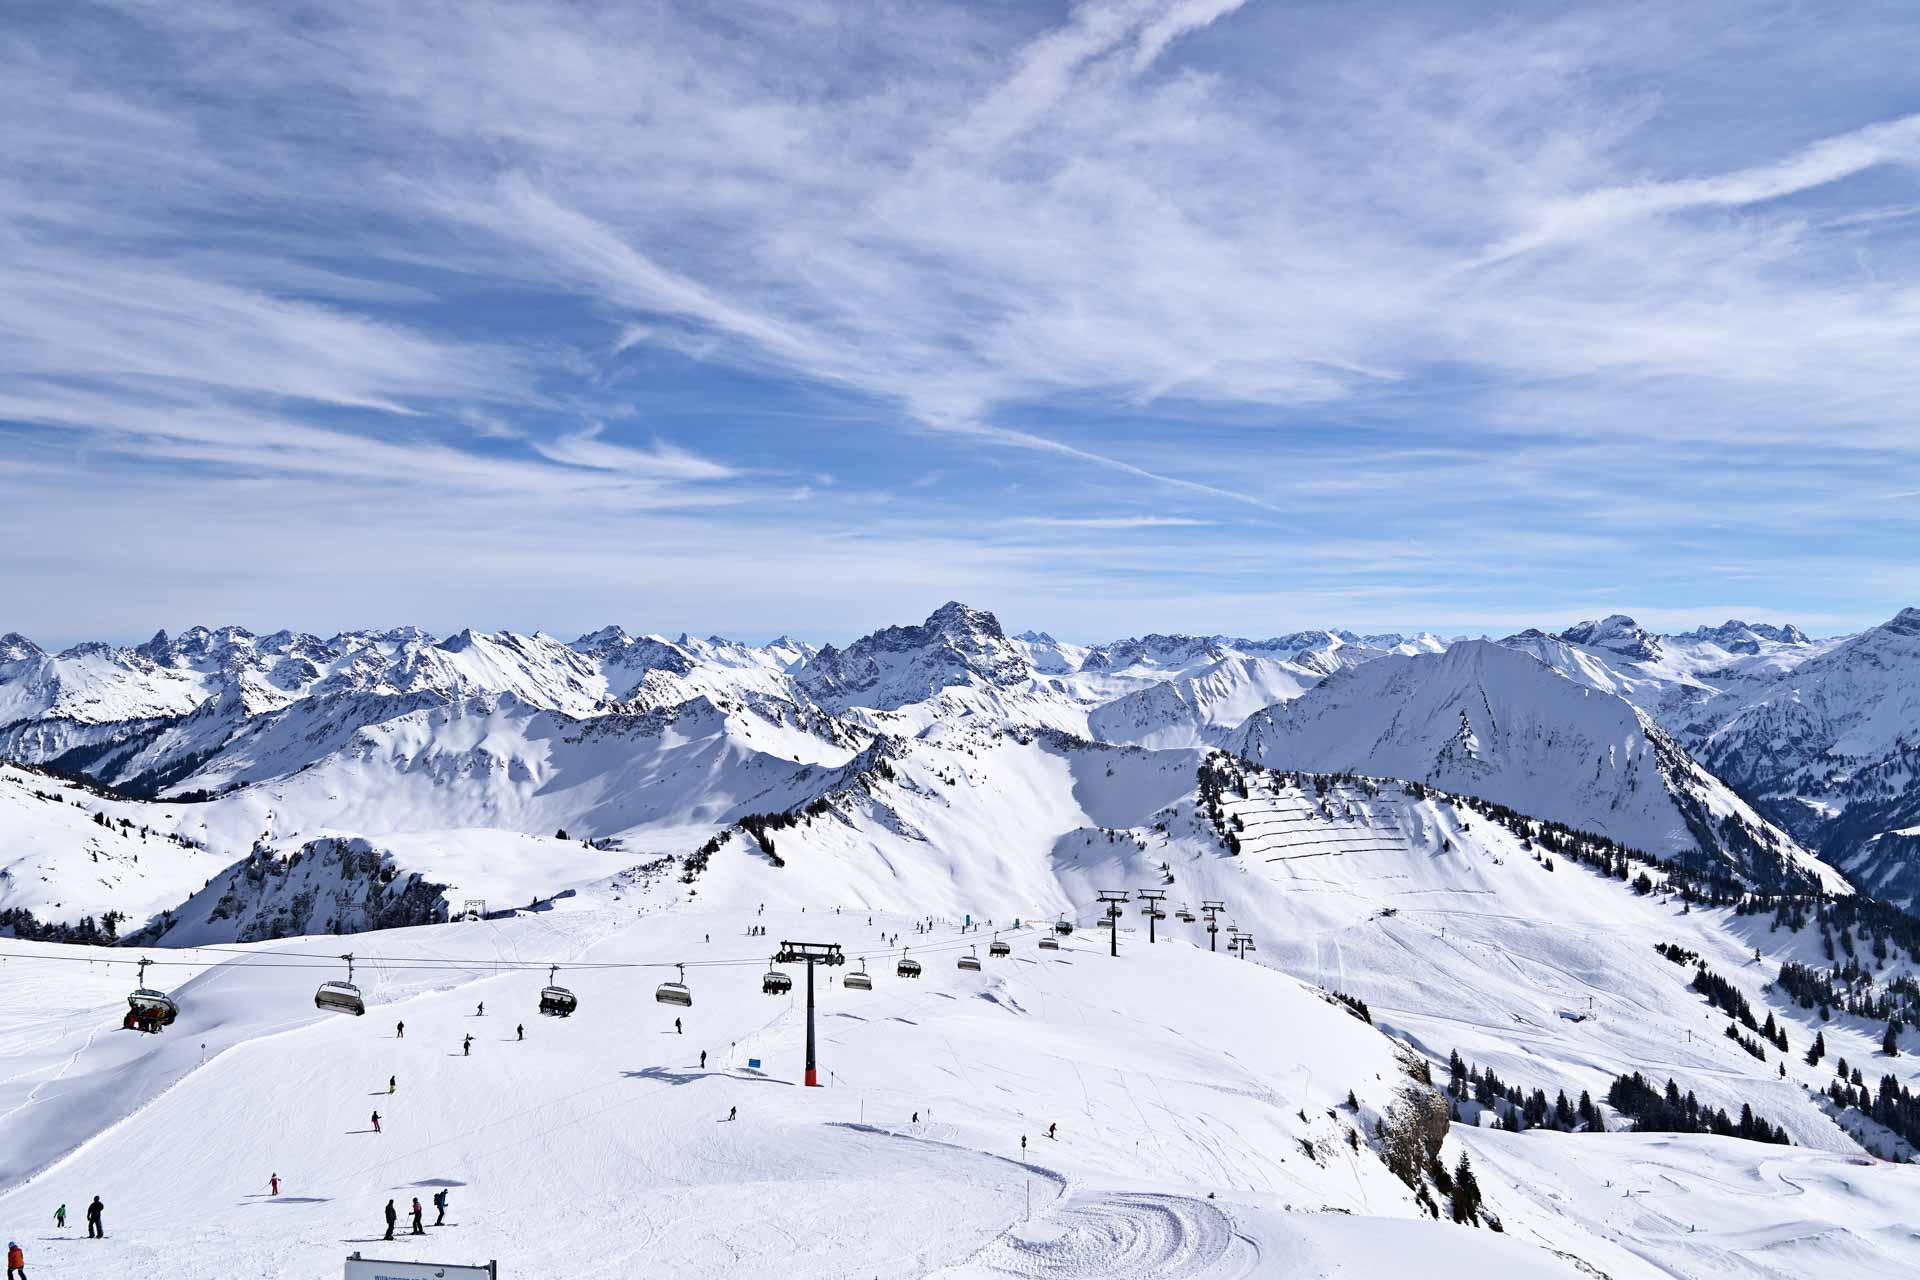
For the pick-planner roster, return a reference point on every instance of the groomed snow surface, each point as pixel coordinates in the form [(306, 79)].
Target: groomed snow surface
[(600, 1147)]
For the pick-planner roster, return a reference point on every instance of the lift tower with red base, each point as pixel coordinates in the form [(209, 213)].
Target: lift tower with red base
[(810, 954)]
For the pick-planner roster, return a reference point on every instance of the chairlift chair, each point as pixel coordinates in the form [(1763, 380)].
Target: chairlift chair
[(340, 997), (907, 968), (1063, 928), (675, 992), (999, 948), (1049, 944), (150, 1008), (555, 1001), (776, 983), (971, 960), (858, 981)]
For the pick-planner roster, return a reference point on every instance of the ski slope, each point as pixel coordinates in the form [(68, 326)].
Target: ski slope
[(599, 1147)]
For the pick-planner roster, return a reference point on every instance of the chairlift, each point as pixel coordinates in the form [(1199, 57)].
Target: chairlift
[(147, 1009), (675, 992), (1063, 928), (971, 960), (555, 1001), (999, 948), (776, 983), (340, 997), (1049, 944), (907, 968), (858, 981)]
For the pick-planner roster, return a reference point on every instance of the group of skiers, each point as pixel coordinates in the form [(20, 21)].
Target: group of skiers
[(96, 1230), (419, 1228), (148, 1020)]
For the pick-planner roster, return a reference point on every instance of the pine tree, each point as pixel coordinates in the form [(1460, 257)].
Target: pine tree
[(1466, 1192), (1890, 1043)]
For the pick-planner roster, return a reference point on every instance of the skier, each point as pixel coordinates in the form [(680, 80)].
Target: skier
[(440, 1206), (481, 1012), (703, 1059), (733, 1113), (676, 1027), (273, 1185), (392, 1217), (418, 1229), (399, 1031), (393, 1082), (520, 1031), (16, 1261), (466, 1047), (96, 1225), (916, 1117), (376, 1122), (1050, 1131), (60, 1218)]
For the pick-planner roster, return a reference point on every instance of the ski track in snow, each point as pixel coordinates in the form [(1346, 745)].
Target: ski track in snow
[(1124, 1236)]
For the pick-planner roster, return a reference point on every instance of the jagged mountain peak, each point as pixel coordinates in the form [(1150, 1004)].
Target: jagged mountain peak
[(1904, 623), (14, 647), (1616, 633)]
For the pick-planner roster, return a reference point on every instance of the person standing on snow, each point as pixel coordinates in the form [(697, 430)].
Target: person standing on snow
[(466, 1047), (520, 1031), (393, 1082), (16, 1261), (676, 1027), (418, 1229), (399, 1031), (481, 1012), (1051, 1128), (60, 1218), (96, 1220), (703, 1059), (440, 1206), (392, 1218), (376, 1122), (733, 1113), (273, 1185)]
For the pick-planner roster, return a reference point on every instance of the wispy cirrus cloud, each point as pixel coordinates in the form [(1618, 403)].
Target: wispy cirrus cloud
[(1245, 273)]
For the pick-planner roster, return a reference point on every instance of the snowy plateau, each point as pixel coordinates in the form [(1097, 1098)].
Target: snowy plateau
[(1577, 953)]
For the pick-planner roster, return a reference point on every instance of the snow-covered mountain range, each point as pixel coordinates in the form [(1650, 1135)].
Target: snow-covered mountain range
[(1752, 746)]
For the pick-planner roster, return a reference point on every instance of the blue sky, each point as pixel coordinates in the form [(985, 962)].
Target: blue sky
[(1193, 315)]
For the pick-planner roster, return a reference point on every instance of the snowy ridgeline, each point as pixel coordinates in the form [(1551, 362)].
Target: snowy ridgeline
[(1746, 741)]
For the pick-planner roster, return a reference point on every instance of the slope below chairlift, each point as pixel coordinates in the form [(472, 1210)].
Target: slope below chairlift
[(675, 992)]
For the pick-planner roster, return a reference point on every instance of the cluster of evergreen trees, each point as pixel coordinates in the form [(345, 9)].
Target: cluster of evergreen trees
[(1516, 1109), (1656, 1112), (21, 923), (1892, 1104)]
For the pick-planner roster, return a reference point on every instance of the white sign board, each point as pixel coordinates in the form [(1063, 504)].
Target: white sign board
[(368, 1269)]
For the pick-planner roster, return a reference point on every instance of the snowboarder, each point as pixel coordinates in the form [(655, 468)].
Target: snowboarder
[(466, 1047), (676, 1027), (703, 1059), (273, 1185), (60, 1218), (440, 1206), (376, 1122), (520, 1031), (399, 1031), (392, 1218), (96, 1224), (733, 1113), (418, 1228), (393, 1082), (16, 1261)]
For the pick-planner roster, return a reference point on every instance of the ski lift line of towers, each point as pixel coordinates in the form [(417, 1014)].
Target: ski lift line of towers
[(152, 1009)]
